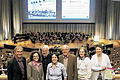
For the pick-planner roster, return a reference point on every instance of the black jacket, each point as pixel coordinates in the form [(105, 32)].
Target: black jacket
[(45, 61), (14, 71)]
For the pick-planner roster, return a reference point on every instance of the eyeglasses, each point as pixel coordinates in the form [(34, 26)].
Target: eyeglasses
[(65, 49), (19, 51), (35, 56), (81, 51)]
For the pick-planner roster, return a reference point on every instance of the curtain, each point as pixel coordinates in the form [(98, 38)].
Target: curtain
[(1, 33), (101, 7), (84, 28), (107, 19), (10, 18), (17, 16), (113, 20), (5, 19), (115, 29)]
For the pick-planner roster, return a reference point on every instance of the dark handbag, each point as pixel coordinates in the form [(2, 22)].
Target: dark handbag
[(99, 76)]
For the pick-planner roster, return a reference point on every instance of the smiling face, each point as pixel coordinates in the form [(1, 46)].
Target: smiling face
[(82, 52), (45, 50), (65, 50), (35, 57), (54, 59), (98, 51), (18, 53)]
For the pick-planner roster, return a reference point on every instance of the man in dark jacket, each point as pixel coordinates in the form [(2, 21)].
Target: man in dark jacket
[(46, 59), (17, 66)]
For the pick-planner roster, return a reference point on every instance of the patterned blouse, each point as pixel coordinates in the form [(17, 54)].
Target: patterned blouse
[(55, 73)]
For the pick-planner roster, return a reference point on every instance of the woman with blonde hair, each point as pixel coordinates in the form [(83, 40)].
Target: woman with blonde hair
[(83, 65)]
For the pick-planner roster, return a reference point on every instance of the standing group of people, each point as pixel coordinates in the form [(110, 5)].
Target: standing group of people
[(47, 66)]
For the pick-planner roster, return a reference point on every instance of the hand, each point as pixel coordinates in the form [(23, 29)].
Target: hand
[(113, 78), (103, 68)]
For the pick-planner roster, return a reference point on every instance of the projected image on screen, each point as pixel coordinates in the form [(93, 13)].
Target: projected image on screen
[(75, 9), (58, 11), (41, 9)]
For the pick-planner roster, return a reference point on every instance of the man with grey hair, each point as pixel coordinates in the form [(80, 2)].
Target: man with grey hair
[(17, 66), (46, 58), (70, 62)]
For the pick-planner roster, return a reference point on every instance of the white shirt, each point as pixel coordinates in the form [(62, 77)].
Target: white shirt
[(84, 68), (97, 66)]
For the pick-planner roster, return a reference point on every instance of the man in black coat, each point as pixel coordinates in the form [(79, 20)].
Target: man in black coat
[(46, 59), (17, 66)]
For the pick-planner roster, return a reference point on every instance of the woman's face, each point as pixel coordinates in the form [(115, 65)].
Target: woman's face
[(35, 57), (82, 52), (54, 59), (98, 50)]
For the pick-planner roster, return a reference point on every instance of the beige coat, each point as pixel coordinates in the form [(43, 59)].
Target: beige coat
[(32, 72), (71, 66)]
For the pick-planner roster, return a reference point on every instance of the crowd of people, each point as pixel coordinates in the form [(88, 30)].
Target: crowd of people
[(53, 37), (50, 66)]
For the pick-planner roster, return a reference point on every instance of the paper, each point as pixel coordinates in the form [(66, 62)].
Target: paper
[(109, 73)]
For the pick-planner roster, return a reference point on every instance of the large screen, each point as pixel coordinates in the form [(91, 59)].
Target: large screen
[(41, 9), (75, 9), (59, 11)]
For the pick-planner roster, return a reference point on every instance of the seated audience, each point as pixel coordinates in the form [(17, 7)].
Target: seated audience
[(57, 37)]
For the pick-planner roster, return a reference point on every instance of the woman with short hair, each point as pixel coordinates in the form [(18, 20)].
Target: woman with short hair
[(100, 62)]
